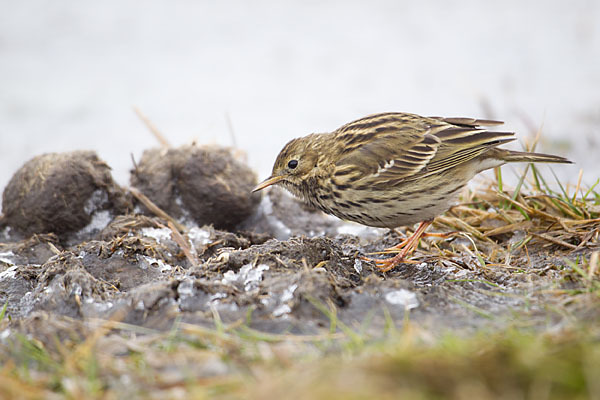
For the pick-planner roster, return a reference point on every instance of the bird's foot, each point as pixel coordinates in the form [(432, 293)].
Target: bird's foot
[(398, 248), (406, 247), (387, 264)]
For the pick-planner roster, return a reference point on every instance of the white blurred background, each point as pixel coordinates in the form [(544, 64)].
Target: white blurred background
[(71, 71)]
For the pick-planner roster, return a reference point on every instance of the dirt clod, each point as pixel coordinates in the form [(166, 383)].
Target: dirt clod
[(60, 193), (206, 184)]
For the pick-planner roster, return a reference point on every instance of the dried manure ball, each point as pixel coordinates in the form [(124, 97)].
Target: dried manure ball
[(203, 183), (60, 192)]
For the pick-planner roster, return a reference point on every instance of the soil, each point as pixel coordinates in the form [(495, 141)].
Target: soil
[(278, 267)]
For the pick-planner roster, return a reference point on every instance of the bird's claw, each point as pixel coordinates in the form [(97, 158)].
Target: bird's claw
[(387, 264)]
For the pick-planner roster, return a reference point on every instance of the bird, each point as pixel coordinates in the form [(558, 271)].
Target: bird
[(393, 169)]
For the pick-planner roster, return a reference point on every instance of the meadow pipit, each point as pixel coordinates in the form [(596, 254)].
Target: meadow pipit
[(393, 169)]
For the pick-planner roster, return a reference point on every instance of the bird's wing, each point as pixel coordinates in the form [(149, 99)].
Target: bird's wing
[(461, 143), (388, 146), (386, 149), (468, 122)]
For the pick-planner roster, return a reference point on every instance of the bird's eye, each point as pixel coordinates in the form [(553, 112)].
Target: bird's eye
[(293, 164)]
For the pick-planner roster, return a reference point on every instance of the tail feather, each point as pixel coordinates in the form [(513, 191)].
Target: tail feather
[(523, 156)]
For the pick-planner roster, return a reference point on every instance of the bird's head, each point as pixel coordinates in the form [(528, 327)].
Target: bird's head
[(293, 165)]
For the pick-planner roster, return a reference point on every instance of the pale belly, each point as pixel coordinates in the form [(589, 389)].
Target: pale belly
[(394, 208)]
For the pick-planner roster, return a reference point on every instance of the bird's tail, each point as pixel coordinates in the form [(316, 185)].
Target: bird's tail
[(523, 156)]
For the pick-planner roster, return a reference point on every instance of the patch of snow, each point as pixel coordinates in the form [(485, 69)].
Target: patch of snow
[(6, 257), (103, 306), (229, 277), (247, 276), (283, 309), (461, 273), (402, 297), (217, 296), (163, 266), (76, 290), (138, 210), (199, 236), (9, 273), (99, 221), (265, 301), (254, 276), (185, 288), (288, 293), (96, 200), (358, 266), (158, 234)]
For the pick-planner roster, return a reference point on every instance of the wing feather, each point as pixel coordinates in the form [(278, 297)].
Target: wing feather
[(389, 148)]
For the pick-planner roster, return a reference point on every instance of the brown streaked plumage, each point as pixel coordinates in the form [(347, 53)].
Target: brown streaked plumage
[(393, 169)]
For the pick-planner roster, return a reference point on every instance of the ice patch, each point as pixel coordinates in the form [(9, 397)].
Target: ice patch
[(402, 297), (9, 273), (96, 200), (163, 266), (158, 234), (254, 276), (288, 293), (185, 288), (281, 310), (358, 266), (199, 236), (76, 290), (265, 301), (461, 273), (217, 296), (247, 275), (6, 257), (99, 221), (140, 306), (5, 334), (103, 307)]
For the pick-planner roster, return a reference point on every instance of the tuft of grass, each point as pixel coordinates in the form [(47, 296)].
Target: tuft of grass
[(3, 311), (509, 364)]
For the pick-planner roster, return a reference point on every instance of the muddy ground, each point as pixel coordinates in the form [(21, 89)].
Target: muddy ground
[(281, 269)]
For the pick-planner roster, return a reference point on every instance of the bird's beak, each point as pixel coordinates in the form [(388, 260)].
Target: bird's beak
[(268, 182)]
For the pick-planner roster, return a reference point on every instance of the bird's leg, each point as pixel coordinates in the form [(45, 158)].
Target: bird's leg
[(402, 244), (407, 247), (399, 246)]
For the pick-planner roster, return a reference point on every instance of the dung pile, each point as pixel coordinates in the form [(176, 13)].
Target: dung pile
[(205, 184), (61, 193)]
